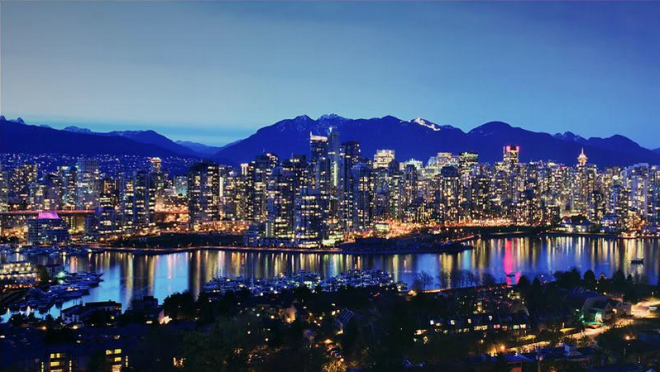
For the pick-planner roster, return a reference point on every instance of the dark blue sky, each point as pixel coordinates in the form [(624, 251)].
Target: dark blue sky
[(216, 71)]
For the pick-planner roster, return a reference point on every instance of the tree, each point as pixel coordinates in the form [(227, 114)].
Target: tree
[(97, 362), (589, 278), (422, 281), (180, 305), (523, 283), (44, 277), (618, 280), (226, 347)]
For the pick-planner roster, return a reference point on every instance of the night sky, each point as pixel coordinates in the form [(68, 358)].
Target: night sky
[(214, 72)]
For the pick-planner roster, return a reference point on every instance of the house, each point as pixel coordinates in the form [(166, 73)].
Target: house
[(595, 307)]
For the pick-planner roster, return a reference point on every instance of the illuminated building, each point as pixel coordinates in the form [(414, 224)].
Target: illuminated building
[(47, 228), (57, 362), (109, 196), (115, 360), (203, 193), (19, 270), (88, 176), (383, 158), (334, 156), (127, 202), (310, 220), (637, 182), (69, 178), (467, 160), (281, 203), (444, 159), (363, 196), (582, 159), (4, 190), (145, 198), (350, 156), (102, 223), (181, 185), (256, 183), (511, 156), (449, 194), (21, 179)]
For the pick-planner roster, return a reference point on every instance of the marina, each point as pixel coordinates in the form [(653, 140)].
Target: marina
[(311, 280), (502, 260), (70, 286)]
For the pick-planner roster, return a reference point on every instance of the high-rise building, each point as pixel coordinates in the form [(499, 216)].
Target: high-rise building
[(256, 183), (69, 178), (109, 193), (21, 179), (181, 185), (582, 159), (87, 187), (363, 196), (281, 205), (47, 228), (137, 199), (320, 163), (127, 201), (334, 155), (4, 191), (511, 156), (310, 220), (449, 194), (145, 198), (350, 156), (203, 193), (383, 158), (467, 160)]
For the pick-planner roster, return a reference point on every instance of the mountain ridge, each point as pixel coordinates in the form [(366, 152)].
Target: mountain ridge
[(416, 138), (72, 142), (420, 138)]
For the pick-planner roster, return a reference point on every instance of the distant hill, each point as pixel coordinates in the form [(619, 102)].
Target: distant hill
[(154, 138), (420, 139), (200, 148), (17, 137)]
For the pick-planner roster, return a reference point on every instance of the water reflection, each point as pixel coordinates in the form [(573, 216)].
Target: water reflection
[(127, 276)]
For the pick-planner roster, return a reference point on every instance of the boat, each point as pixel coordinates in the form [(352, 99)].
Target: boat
[(637, 261)]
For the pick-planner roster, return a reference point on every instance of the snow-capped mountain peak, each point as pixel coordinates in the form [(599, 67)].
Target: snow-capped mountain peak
[(425, 123)]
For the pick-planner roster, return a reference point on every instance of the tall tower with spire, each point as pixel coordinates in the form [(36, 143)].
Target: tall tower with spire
[(582, 159)]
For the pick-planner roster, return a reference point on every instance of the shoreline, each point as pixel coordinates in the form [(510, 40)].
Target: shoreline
[(337, 250), (156, 251)]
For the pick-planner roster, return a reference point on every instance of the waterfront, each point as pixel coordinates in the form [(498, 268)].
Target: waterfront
[(127, 276)]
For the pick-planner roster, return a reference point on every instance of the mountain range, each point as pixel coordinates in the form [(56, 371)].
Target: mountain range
[(417, 138), (420, 139)]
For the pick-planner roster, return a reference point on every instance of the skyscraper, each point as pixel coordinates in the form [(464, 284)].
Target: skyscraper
[(363, 196), (310, 220), (87, 191), (281, 204), (350, 155), (511, 156), (203, 193), (4, 191), (383, 158), (145, 198)]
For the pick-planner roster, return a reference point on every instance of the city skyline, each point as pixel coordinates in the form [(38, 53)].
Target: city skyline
[(315, 186), (229, 68)]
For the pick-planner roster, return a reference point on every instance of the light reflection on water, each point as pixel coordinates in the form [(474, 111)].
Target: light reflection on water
[(127, 276)]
